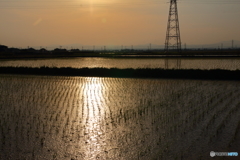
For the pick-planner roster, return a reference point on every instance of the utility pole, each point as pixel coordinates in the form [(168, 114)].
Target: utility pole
[(173, 40), (232, 43)]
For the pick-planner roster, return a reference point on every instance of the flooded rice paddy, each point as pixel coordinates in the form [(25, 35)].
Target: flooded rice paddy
[(89, 118), (181, 63)]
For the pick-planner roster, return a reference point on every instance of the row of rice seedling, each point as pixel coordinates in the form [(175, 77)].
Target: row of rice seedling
[(110, 118), (199, 119)]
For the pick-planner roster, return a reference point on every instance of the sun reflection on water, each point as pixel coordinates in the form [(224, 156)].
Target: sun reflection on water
[(94, 109)]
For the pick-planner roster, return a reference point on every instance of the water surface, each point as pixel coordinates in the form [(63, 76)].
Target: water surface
[(48, 117), (183, 63)]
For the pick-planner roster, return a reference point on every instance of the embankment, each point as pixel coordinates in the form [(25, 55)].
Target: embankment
[(215, 74)]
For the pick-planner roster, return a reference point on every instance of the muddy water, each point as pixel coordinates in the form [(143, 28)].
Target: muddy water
[(182, 63), (88, 118)]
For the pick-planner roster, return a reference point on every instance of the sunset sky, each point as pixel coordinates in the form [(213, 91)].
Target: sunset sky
[(47, 23)]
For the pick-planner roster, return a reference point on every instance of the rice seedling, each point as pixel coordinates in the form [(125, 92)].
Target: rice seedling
[(89, 118)]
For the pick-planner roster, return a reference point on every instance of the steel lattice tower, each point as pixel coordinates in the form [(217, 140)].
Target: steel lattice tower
[(173, 40)]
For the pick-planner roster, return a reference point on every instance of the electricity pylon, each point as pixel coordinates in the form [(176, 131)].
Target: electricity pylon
[(173, 40)]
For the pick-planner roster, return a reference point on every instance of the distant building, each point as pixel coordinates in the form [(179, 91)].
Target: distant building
[(75, 50), (28, 51), (43, 50), (57, 50), (14, 50)]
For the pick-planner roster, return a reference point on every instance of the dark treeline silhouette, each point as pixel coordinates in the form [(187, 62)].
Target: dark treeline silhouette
[(215, 74), (6, 52)]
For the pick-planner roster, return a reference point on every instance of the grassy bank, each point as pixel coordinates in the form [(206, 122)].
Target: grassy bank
[(126, 73)]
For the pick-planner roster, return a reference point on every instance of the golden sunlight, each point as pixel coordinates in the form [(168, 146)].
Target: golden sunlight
[(97, 3), (94, 108)]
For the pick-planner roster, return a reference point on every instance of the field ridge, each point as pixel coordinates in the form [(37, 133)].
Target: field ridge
[(213, 74)]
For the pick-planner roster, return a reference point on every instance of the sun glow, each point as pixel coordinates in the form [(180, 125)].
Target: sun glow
[(94, 107), (94, 4), (100, 3)]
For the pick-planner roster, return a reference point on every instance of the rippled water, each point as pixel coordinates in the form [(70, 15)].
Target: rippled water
[(88, 118), (184, 63)]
